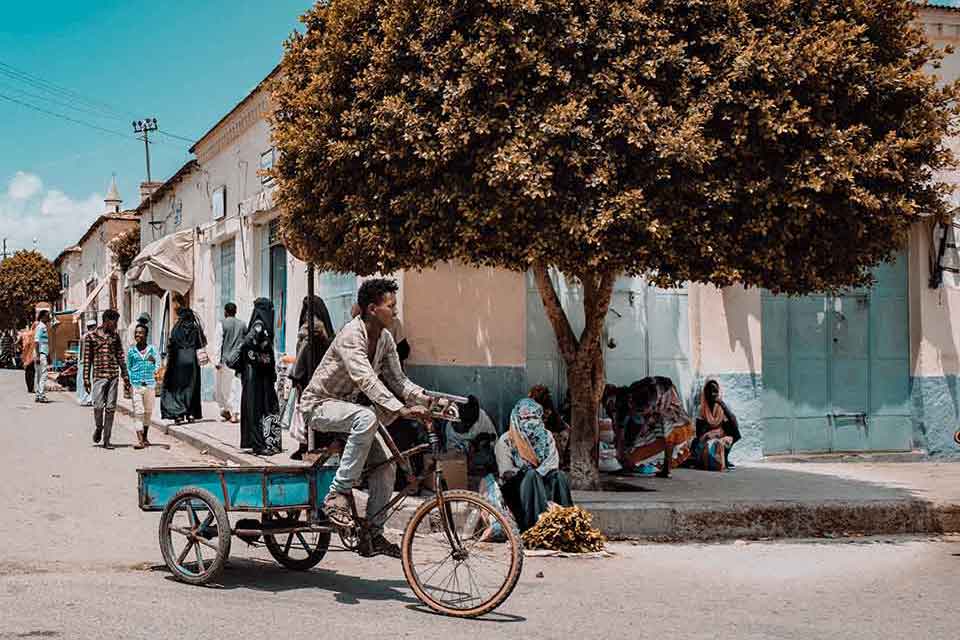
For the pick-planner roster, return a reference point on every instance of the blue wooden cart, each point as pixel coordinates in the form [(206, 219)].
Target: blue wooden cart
[(195, 532), (460, 553)]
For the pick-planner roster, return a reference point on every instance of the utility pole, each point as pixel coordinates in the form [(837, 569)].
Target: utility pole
[(4, 248), (144, 127)]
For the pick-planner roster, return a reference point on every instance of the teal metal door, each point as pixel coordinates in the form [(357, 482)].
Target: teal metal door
[(836, 369)]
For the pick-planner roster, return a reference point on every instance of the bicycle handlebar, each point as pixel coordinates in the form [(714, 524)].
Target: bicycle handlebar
[(446, 396)]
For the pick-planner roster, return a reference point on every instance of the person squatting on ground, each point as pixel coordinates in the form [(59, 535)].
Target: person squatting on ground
[(41, 339), (142, 361), (104, 364), (363, 359)]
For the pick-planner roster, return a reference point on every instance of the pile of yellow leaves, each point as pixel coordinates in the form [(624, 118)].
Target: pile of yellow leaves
[(568, 529)]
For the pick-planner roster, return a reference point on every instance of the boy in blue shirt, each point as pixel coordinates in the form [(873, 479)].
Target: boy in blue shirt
[(142, 361)]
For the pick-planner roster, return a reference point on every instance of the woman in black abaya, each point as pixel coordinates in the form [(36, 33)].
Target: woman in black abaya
[(258, 374), (181, 381)]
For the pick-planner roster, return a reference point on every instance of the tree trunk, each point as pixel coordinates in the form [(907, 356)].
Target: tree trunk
[(583, 357)]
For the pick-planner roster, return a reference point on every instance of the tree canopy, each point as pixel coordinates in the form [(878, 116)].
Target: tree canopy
[(26, 278), (787, 144), (125, 248)]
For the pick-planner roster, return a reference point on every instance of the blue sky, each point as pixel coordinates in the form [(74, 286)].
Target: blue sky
[(184, 62)]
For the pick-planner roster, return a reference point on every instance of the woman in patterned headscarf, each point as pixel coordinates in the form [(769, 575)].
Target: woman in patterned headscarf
[(528, 464)]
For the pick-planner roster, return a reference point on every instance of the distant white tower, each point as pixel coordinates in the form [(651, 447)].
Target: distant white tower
[(113, 200)]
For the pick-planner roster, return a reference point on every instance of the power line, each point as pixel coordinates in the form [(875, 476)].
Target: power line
[(66, 117), (45, 98), (100, 108), (51, 87), (175, 136)]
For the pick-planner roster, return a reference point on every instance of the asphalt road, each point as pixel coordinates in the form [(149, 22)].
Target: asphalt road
[(79, 560)]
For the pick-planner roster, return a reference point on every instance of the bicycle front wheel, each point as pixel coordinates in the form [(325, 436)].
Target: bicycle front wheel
[(463, 559)]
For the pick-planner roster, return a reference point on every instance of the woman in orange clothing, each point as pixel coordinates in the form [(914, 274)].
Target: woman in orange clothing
[(656, 423)]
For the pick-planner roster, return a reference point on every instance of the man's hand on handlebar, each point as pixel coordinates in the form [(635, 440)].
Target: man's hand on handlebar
[(421, 414)]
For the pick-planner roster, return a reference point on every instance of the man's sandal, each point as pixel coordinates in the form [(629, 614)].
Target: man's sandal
[(337, 507)]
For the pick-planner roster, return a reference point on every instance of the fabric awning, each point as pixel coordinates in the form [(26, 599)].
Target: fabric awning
[(90, 298), (165, 264)]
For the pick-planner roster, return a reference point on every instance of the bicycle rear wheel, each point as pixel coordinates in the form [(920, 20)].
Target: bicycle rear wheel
[(449, 561)]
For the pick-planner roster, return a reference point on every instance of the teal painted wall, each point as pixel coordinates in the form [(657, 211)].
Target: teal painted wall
[(936, 414), (497, 388)]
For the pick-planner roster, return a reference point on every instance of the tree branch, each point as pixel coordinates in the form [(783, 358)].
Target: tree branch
[(597, 292), (566, 340)]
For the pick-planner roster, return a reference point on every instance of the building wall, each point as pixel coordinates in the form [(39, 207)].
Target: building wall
[(727, 347), (466, 329), (75, 293)]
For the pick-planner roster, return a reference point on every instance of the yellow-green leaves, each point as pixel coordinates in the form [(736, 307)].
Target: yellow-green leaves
[(787, 144)]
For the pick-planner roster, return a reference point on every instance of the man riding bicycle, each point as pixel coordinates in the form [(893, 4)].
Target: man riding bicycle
[(363, 360)]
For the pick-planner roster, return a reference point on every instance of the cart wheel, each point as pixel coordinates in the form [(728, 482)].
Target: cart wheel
[(449, 560), (299, 550), (194, 536)]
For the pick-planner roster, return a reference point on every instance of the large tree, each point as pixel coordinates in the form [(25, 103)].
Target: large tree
[(26, 278), (786, 144)]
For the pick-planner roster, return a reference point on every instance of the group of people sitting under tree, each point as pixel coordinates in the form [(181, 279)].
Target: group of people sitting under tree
[(653, 428)]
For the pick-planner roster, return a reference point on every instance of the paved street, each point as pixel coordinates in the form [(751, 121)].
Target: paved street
[(79, 560)]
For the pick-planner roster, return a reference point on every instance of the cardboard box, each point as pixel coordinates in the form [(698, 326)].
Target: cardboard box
[(454, 467)]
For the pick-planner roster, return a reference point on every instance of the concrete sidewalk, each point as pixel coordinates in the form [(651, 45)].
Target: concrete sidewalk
[(759, 500)]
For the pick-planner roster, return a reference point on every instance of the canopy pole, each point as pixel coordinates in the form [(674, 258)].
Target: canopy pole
[(310, 339)]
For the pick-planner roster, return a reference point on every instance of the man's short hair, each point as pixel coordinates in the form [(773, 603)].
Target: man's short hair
[(230, 309), (372, 292), (111, 315), (43, 313)]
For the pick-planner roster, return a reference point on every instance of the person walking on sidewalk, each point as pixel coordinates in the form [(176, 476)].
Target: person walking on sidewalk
[(142, 361), (83, 392), (28, 354), (104, 364), (181, 382), (258, 373), (228, 369), (363, 359), (41, 339)]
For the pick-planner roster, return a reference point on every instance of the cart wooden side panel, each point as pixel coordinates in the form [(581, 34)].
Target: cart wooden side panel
[(239, 488)]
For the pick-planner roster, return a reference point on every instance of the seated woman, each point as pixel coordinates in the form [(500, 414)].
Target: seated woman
[(528, 464), (655, 423), (717, 430), (554, 422)]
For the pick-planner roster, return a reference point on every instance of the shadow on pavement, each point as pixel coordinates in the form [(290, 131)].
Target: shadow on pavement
[(493, 616), (263, 575)]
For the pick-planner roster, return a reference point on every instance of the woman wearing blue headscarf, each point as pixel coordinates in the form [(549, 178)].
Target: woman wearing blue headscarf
[(529, 466)]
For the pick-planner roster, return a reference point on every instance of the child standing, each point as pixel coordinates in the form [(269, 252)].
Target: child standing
[(142, 361)]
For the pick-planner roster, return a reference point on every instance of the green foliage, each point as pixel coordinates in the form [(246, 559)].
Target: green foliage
[(787, 144), (125, 248), (26, 278)]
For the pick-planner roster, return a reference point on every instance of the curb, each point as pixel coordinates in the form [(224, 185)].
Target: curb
[(731, 521), (200, 442)]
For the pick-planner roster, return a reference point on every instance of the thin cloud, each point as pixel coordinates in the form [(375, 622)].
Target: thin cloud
[(53, 218), (24, 186)]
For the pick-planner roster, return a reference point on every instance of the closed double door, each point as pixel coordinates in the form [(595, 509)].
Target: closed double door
[(646, 332), (836, 369)]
